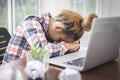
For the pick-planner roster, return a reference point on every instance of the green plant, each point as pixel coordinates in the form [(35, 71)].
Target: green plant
[(37, 53)]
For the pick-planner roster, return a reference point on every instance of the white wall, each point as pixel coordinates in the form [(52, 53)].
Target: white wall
[(54, 6), (108, 8), (115, 8)]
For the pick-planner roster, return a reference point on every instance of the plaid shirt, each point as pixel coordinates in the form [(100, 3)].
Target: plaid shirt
[(32, 30)]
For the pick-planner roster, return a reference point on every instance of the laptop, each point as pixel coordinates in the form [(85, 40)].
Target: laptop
[(102, 46)]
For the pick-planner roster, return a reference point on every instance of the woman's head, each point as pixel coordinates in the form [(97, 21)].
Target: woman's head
[(74, 24)]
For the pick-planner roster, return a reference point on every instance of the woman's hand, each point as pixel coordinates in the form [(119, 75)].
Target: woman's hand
[(73, 46)]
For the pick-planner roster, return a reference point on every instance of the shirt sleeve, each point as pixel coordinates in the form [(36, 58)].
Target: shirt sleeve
[(35, 35)]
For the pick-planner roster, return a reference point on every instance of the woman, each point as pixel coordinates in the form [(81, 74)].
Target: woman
[(59, 34)]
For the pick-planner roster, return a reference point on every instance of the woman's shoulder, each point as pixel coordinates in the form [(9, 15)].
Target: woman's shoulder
[(31, 17), (28, 18)]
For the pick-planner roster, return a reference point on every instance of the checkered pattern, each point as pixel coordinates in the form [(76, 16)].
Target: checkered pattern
[(32, 30)]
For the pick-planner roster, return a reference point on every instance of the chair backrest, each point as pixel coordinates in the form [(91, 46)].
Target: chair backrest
[(4, 39)]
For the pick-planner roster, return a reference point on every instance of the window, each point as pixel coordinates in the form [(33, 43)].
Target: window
[(3, 13), (23, 8), (84, 6), (12, 11)]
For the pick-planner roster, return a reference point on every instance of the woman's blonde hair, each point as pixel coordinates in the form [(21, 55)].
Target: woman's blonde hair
[(74, 23)]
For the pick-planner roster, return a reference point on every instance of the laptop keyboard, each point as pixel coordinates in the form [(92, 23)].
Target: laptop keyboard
[(78, 62)]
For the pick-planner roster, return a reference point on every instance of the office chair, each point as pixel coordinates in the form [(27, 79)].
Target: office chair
[(4, 39)]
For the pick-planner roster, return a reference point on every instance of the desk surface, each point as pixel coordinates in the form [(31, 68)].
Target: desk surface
[(15, 71)]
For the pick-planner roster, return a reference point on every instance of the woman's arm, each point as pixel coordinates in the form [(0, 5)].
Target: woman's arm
[(35, 35)]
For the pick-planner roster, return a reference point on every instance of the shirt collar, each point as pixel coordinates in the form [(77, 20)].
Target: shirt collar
[(44, 21)]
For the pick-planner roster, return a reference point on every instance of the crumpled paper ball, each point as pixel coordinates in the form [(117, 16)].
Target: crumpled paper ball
[(35, 69), (69, 74)]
